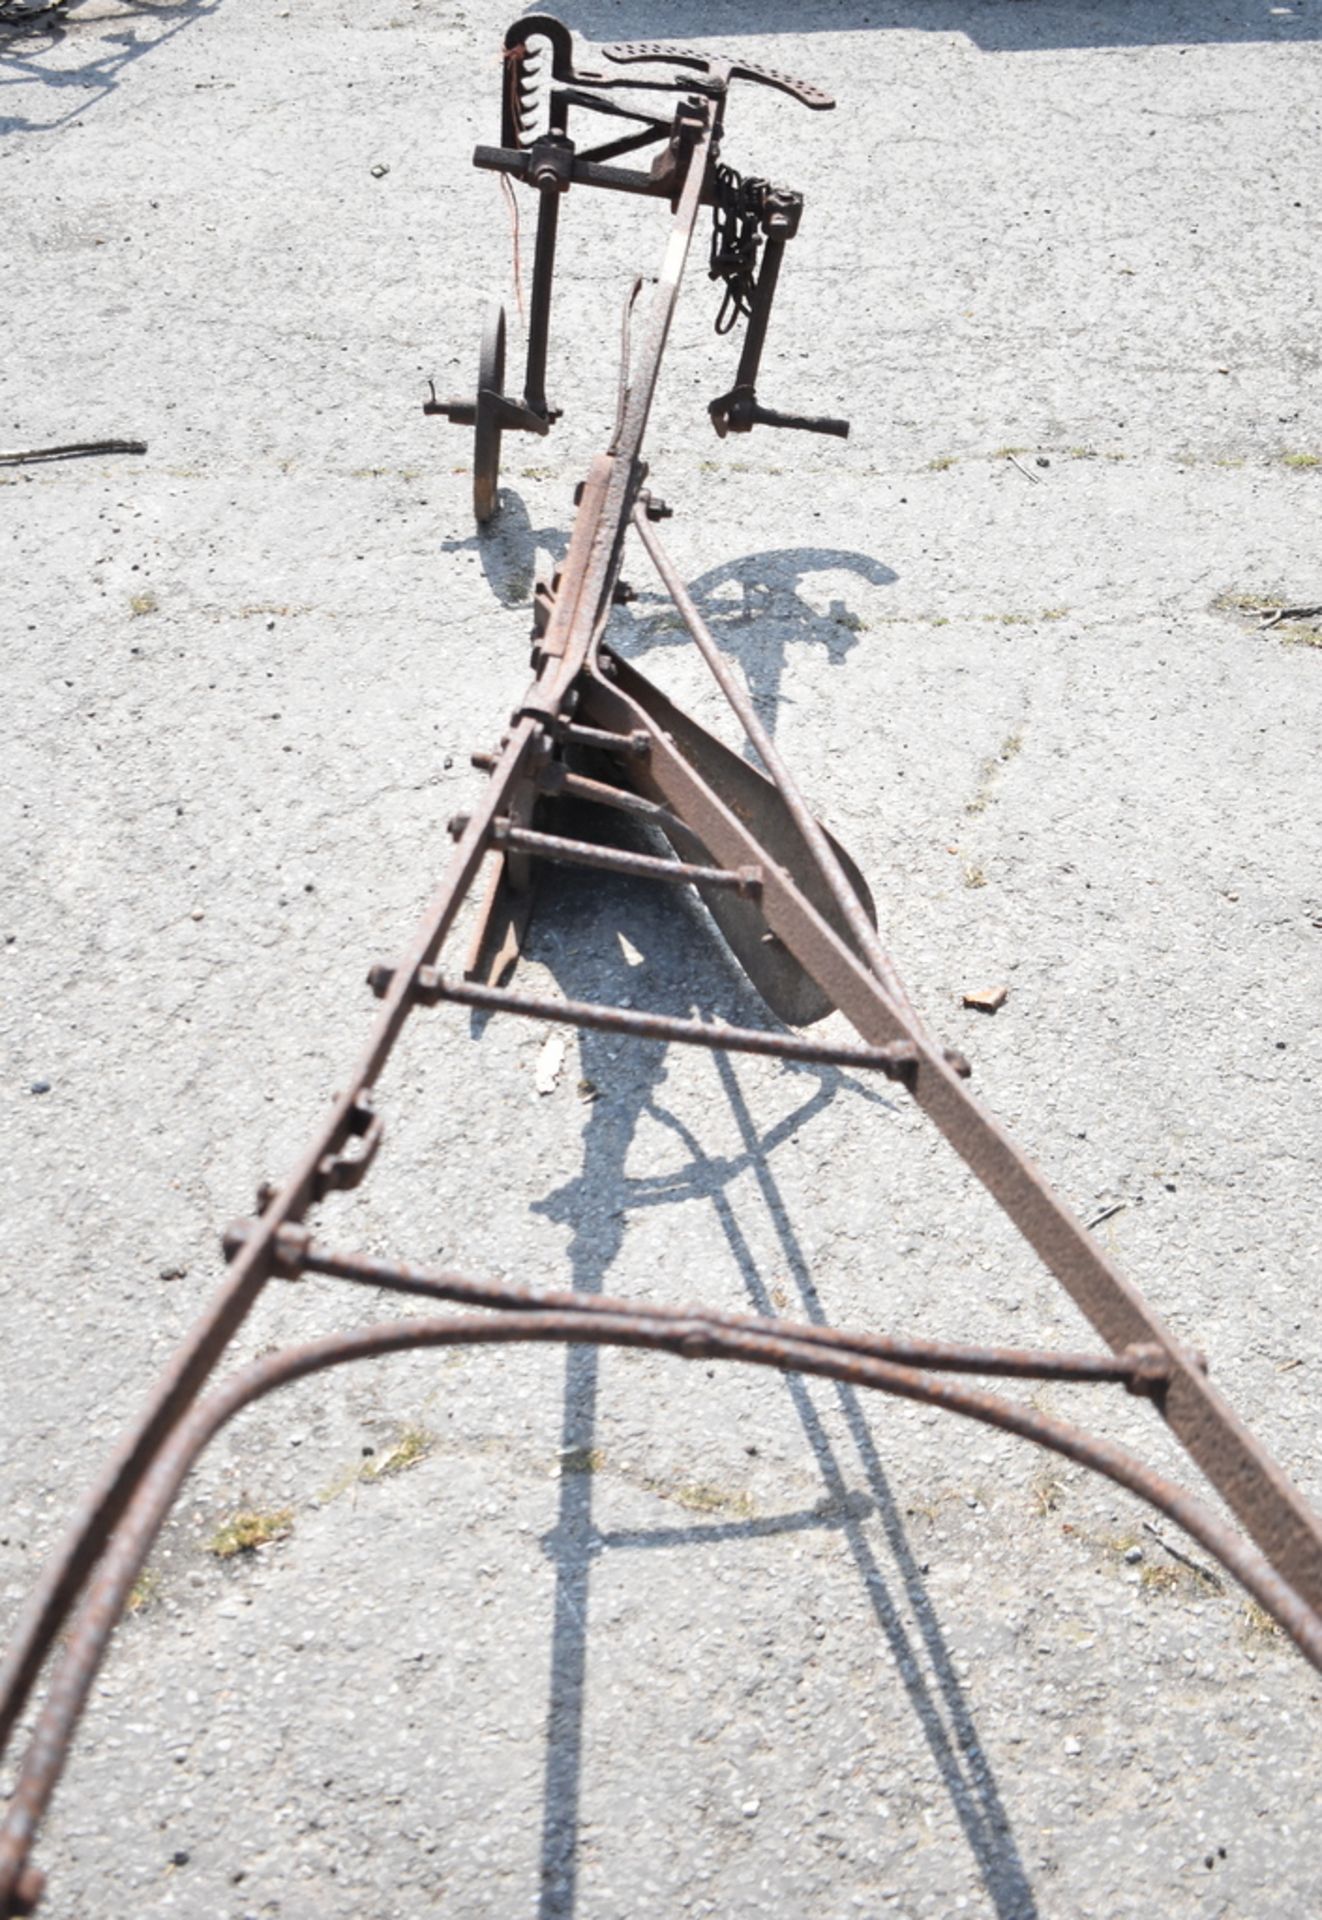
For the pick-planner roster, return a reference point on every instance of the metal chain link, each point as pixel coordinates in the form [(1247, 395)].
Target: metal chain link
[(735, 240)]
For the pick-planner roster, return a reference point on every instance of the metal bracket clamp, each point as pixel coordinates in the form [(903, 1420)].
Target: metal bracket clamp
[(551, 164), (289, 1246), (346, 1167), (340, 1169)]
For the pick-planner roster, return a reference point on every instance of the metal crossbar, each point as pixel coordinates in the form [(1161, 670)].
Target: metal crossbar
[(786, 897)]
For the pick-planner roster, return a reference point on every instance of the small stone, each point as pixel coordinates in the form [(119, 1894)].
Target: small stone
[(379, 171), (180, 1857), (1133, 1555), (198, 913), (1073, 1749), (750, 1809), (987, 999), (40, 1086), (270, 623), (172, 1273)]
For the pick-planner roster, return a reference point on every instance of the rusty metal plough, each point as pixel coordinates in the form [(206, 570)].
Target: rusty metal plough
[(787, 899)]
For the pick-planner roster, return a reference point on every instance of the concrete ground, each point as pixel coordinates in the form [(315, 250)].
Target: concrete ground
[(600, 1635)]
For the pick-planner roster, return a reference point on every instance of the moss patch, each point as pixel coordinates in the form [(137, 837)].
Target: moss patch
[(413, 1445), (249, 1530)]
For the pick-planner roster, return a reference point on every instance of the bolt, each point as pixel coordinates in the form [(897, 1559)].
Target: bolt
[(379, 977), (235, 1237), (291, 1245)]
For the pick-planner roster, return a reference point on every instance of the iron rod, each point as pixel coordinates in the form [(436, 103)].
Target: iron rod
[(861, 929), (895, 1060), (640, 866), (1138, 1368), (691, 1340)]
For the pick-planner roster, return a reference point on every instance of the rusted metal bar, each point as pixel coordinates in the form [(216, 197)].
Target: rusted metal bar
[(823, 853), (638, 744), (579, 613), (583, 173), (207, 1339), (1254, 1487), (689, 1339), (747, 882), (1139, 1369), (896, 1060)]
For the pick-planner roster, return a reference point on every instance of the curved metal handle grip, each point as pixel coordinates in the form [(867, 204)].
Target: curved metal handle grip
[(624, 52)]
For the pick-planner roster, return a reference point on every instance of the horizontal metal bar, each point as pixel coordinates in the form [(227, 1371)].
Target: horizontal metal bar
[(108, 1593), (638, 1327), (584, 173), (745, 881), (555, 778), (1239, 1467), (1139, 1368), (637, 744), (894, 1060)]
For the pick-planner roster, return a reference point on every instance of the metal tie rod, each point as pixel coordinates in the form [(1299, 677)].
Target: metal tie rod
[(896, 1060), (745, 881)]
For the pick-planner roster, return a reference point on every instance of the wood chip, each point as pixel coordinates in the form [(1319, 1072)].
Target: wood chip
[(987, 999)]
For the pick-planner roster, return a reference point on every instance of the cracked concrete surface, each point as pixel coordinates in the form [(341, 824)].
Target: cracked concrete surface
[(630, 1638)]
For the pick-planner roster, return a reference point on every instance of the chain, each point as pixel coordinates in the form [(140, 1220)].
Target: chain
[(735, 240)]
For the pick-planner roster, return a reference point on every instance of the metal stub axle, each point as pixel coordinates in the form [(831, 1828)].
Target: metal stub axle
[(636, 745), (511, 415), (288, 1246), (740, 410)]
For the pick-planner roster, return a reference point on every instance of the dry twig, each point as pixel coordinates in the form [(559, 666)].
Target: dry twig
[(75, 449)]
